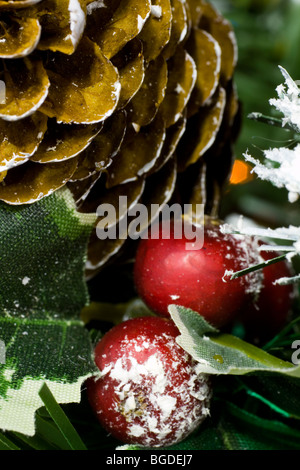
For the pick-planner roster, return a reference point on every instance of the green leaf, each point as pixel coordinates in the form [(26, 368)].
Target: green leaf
[(6, 444), (273, 389), (242, 430), (221, 353), (47, 430), (35, 442), (42, 291), (59, 417)]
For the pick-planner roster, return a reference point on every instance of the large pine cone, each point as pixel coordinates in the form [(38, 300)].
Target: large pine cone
[(116, 97)]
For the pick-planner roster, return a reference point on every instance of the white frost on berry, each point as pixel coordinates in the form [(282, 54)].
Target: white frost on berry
[(137, 430), (166, 403), (175, 297), (249, 256), (227, 275), (162, 404)]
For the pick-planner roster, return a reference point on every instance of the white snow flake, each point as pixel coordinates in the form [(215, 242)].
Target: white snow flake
[(282, 165)]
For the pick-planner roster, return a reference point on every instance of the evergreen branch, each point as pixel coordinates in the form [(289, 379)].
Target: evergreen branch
[(269, 120), (256, 267)]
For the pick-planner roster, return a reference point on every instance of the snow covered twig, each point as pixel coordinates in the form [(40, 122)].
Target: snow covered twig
[(282, 165)]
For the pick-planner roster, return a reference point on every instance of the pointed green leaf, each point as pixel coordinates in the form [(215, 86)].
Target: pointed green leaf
[(221, 353), (61, 420)]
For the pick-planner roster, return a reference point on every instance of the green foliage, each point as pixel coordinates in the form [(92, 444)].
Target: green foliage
[(257, 410), (42, 291)]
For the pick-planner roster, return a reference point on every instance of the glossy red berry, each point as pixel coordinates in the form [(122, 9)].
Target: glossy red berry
[(165, 273), (270, 311), (150, 392)]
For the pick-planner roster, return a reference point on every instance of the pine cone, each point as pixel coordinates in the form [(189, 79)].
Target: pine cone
[(116, 97)]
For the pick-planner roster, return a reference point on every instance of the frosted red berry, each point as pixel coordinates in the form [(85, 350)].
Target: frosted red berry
[(165, 273), (150, 392), (270, 311)]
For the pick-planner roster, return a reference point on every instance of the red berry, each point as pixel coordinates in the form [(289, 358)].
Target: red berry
[(150, 392), (165, 273), (267, 315)]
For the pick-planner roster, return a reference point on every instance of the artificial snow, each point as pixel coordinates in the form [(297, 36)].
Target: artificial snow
[(148, 397), (288, 101), (77, 21), (282, 169), (282, 165), (156, 11), (25, 280), (94, 6)]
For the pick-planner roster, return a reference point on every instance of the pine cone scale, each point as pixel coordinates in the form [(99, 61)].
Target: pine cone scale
[(115, 97)]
